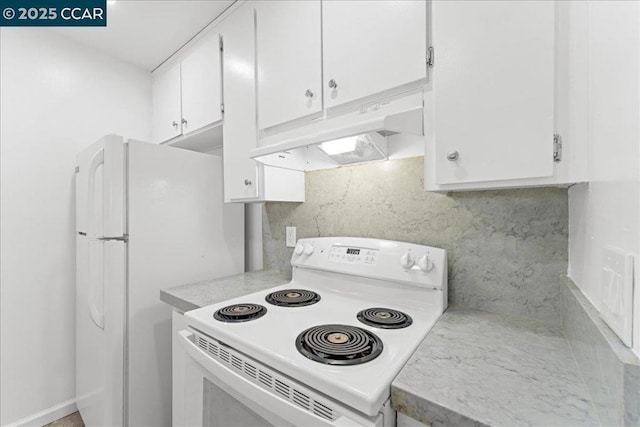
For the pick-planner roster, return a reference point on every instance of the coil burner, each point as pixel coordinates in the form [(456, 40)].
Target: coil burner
[(240, 313), (339, 344), (384, 318), (292, 298)]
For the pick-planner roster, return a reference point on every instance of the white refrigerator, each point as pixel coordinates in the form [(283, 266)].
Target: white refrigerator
[(148, 217)]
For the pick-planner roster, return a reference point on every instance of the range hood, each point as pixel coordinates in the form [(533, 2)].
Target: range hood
[(323, 142)]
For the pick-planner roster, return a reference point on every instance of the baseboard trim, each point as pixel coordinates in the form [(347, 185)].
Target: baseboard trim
[(47, 416)]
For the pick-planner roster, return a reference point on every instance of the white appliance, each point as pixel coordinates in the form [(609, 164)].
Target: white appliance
[(147, 217), (321, 350)]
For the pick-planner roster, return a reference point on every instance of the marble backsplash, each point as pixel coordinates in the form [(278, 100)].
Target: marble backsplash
[(609, 368), (507, 248)]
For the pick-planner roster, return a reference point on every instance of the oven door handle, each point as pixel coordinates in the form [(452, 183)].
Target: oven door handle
[(254, 396)]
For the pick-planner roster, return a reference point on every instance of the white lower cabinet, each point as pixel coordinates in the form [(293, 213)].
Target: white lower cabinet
[(500, 94), (244, 179)]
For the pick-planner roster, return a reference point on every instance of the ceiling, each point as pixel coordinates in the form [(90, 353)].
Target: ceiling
[(147, 32)]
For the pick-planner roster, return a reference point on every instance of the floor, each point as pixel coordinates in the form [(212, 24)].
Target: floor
[(73, 420)]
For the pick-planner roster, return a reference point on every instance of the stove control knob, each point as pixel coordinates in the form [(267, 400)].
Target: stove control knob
[(308, 250), (425, 263), (299, 249), (407, 261)]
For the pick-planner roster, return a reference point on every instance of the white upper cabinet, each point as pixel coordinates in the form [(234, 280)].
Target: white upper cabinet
[(314, 55), (201, 85), (371, 46), (167, 113), (244, 179), (289, 60), (493, 92), (187, 96), (239, 133)]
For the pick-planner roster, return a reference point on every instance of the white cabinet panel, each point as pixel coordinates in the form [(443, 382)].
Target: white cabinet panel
[(178, 362), (187, 96), (244, 179), (166, 104), (572, 91), (493, 90), (289, 60), (201, 85), (372, 46), (239, 130)]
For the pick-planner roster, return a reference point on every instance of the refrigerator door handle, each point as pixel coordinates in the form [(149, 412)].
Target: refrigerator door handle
[(96, 162), (124, 238), (96, 313), (96, 284)]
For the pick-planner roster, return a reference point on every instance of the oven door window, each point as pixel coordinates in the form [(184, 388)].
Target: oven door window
[(223, 410)]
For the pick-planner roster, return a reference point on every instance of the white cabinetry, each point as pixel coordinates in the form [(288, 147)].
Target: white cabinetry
[(369, 47), (187, 96), (167, 113), (201, 85), (244, 179), (316, 55), (507, 77), (289, 60), (493, 92)]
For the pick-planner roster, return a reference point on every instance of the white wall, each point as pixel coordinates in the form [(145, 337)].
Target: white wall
[(56, 98), (607, 210), (253, 259)]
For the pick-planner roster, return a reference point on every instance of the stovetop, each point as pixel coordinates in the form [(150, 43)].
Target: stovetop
[(273, 337)]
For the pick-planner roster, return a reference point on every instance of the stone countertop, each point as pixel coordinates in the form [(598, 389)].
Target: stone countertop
[(199, 294), (477, 368), (474, 368)]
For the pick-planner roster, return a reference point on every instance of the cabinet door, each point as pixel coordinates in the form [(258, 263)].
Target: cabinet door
[(239, 130), (166, 104), (289, 60), (201, 86), (371, 46), (493, 83)]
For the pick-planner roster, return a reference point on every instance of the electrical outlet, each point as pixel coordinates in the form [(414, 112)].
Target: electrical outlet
[(290, 236)]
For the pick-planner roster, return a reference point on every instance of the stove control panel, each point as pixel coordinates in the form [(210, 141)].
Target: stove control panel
[(353, 255), (403, 262)]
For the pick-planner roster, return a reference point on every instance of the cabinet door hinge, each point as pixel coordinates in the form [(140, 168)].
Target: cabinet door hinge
[(222, 108), (221, 45), (557, 148), (430, 57)]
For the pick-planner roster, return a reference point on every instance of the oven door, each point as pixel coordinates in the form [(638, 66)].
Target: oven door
[(218, 392)]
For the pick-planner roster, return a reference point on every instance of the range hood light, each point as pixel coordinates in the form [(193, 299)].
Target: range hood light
[(356, 149), (339, 146)]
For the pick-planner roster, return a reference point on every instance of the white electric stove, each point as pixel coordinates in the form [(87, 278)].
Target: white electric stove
[(322, 349)]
